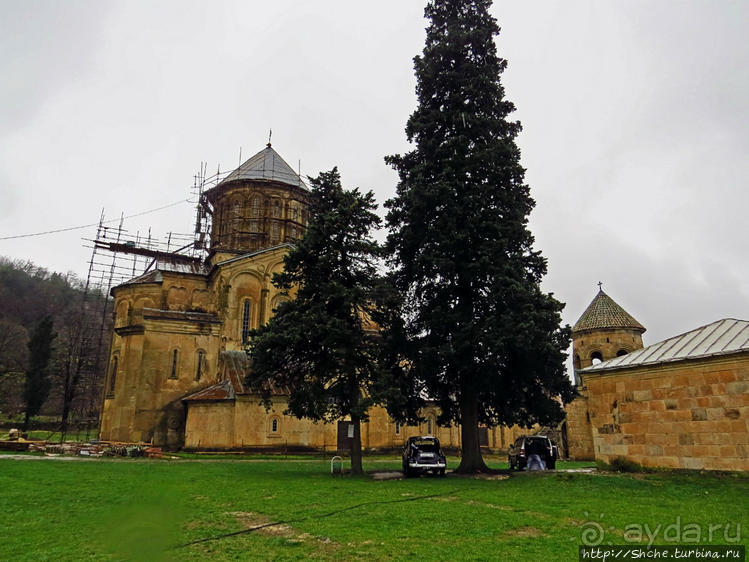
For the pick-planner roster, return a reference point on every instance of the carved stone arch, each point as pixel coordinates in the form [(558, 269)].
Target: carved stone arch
[(244, 284), (235, 278), (138, 306), (177, 298), (275, 267), (201, 299), (277, 299), (122, 314)]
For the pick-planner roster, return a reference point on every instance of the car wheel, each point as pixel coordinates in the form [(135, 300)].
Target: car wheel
[(442, 472), (552, 465)]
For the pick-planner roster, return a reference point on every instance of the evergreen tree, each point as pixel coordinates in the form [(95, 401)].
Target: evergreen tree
[(37, 384), (322, 345), (486, 341)]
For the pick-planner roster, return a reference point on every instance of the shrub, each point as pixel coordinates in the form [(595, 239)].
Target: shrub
[(620, 464)]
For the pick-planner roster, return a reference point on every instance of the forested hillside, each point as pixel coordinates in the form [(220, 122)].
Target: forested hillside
[(81, 328)]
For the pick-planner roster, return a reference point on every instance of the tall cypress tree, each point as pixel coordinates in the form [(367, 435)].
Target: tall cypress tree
[(322, 345), (36, 386), (484, 340)]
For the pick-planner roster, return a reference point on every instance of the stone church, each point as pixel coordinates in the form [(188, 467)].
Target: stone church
[(177, 364)]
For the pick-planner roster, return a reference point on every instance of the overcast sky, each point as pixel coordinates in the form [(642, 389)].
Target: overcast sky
[(635, 116)]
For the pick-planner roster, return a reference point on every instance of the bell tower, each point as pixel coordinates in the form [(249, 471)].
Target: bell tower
[(604, 331)]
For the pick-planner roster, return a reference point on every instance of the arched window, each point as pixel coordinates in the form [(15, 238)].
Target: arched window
[(596, 357), (429, 426), (255, 207), (621, 352), (274, 426), (397, 428), (246, 311), (276, 208), (199, 365), (113, 373), (577, 361), (175, 363), (275, 232)]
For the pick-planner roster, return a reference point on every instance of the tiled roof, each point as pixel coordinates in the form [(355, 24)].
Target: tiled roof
[(719, 338), (266, 165), (603, 312), (237, 365), (219, 391)]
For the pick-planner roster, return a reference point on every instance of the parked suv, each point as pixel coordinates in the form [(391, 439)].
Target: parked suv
[(528, 445), (423, 454)]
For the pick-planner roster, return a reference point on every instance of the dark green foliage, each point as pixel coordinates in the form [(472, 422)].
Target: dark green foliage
[(29, 292), (620, 464), (37, 384), (320, 345), (479, 332)]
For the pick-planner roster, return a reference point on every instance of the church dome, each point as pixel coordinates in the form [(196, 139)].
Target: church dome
[(260, 205)]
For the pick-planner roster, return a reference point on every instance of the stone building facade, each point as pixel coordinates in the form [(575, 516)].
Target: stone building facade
[(679, 403), (176, 367)]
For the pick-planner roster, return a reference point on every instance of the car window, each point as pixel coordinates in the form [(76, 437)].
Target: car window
[(426, 446)]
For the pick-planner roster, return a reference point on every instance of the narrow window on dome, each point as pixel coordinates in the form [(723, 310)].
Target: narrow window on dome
[(275, 233)]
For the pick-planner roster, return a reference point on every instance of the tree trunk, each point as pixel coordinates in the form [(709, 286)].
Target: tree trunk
[(471, 460), (356, 457), (26, 420)]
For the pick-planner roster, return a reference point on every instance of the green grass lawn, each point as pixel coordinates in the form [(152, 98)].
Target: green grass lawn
[(125, 509)]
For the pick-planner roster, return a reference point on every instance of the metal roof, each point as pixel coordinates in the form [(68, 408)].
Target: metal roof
[(722, 337), (603, 313), (266, 165), (166, 265)]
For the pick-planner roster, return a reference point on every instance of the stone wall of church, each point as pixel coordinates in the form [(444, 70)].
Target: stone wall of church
[(244, 424), (689, 414), (161, 350), (579, 430)]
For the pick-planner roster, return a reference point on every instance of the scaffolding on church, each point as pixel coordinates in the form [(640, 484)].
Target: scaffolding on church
[(119, 255)]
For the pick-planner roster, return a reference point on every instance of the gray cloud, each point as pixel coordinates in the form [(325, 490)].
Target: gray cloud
[(634, 114)]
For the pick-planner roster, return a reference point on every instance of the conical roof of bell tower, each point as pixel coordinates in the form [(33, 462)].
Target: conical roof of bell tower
[(604, 313), (266, 165)]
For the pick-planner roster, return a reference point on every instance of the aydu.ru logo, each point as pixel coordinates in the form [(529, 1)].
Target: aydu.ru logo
[(593, 533)]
